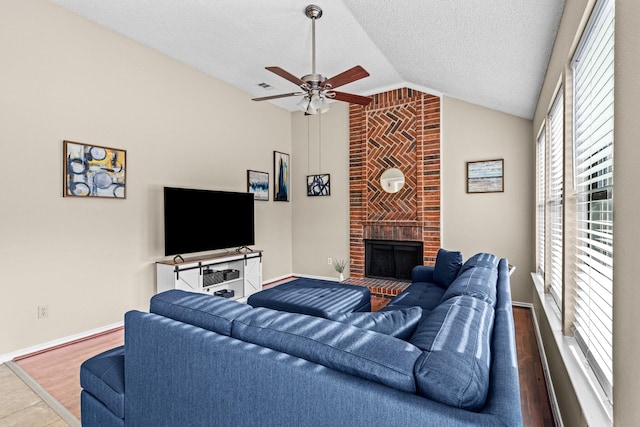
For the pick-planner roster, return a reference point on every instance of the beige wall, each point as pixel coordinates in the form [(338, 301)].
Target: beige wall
[(320, 224), (500, 223), (63, 77), (626, 289)]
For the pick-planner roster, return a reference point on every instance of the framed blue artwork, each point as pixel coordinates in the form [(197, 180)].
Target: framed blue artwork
[(485, 176), (93, 171), (282, 176), (258, 184), (318, 185)]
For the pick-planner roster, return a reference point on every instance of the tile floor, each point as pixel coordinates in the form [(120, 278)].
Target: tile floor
[(20, 406)]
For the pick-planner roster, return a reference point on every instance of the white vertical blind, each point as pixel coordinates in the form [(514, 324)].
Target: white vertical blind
[(593, 154), (556, 194), (541, 203)]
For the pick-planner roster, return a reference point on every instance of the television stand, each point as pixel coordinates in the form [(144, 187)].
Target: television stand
[(244, 249), (240, 272)]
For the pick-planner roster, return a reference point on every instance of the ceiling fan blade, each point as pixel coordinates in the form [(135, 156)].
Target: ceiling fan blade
[(351, 75), (284, 95), (287, 75), (349, 97)]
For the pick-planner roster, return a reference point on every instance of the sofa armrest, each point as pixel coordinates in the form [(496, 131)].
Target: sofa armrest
[(503, 400), (422, 273)]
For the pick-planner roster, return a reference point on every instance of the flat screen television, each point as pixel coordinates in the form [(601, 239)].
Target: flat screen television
[(203, 220)]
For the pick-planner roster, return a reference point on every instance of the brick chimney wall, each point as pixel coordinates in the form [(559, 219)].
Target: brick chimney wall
[(401, 129)]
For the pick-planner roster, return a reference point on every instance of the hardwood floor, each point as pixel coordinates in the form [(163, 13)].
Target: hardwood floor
[(534, 395), (57, 370)]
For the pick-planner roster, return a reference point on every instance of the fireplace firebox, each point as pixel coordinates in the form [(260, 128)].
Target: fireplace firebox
[(391, 259)]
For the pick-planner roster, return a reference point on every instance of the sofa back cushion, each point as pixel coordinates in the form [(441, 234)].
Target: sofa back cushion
[(448, 264), (370, 355), (202, 310), (456, 342), (479, 282), (480, 259), (399, 323)]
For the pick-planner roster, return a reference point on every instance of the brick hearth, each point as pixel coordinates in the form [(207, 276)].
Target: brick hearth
[(401, 129)]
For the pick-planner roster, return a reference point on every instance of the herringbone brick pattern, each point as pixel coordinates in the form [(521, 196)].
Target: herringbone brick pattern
[(391, 143)]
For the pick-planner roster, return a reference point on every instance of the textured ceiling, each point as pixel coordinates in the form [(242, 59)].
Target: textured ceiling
[(492, 53)]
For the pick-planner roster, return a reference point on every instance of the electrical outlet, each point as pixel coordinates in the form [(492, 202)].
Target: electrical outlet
[(329, 261), (43, 311)]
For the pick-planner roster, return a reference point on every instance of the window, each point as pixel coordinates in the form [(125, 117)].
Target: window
[(541, 196), (556, 190), (593, 167), (575, 196)]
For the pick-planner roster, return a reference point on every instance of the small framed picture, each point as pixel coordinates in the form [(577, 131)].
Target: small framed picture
[(281, 176), (318, 185), (258, 184), (93, 171), (485, 176)]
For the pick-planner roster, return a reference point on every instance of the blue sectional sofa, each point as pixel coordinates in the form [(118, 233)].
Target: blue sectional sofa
[(442, 353)]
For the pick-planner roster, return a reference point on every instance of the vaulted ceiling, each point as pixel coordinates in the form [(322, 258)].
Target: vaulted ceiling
[(491, 53)]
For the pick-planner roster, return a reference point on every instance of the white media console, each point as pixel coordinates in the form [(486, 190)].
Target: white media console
[(240, 272)]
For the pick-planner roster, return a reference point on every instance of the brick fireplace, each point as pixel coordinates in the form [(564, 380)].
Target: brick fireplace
[(401, 129)]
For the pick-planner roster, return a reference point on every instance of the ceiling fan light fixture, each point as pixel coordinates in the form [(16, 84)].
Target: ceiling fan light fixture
[(324, 105), (304, 103), (314, 104)]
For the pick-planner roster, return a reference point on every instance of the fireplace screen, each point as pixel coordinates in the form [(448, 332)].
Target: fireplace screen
[(390, 259)]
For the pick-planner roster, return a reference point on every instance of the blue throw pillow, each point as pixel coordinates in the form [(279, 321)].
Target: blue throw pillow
[(455, 364), (202, 310), (448, 264), (397, 323)]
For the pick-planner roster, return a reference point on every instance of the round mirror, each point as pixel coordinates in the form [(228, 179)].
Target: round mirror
[(392, 180)]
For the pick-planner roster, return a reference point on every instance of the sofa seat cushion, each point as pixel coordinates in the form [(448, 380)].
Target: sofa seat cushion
[(399, 323), (202, 310), (478, 282), (366, 354), (447, 266), (421, 294), (456, 339), (103, 377)]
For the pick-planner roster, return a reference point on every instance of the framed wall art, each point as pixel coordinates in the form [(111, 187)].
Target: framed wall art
[(485, 176), (281, 176), (258, 184), (94, 171), (318, 185)]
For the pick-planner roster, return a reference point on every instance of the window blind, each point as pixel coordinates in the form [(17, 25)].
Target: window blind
[(593, 159), (541, 203), (556, 189)]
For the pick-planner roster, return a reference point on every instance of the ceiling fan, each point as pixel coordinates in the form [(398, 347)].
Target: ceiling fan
[(316, 88)]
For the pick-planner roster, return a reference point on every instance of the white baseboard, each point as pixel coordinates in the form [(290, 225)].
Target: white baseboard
[(36, 348)]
